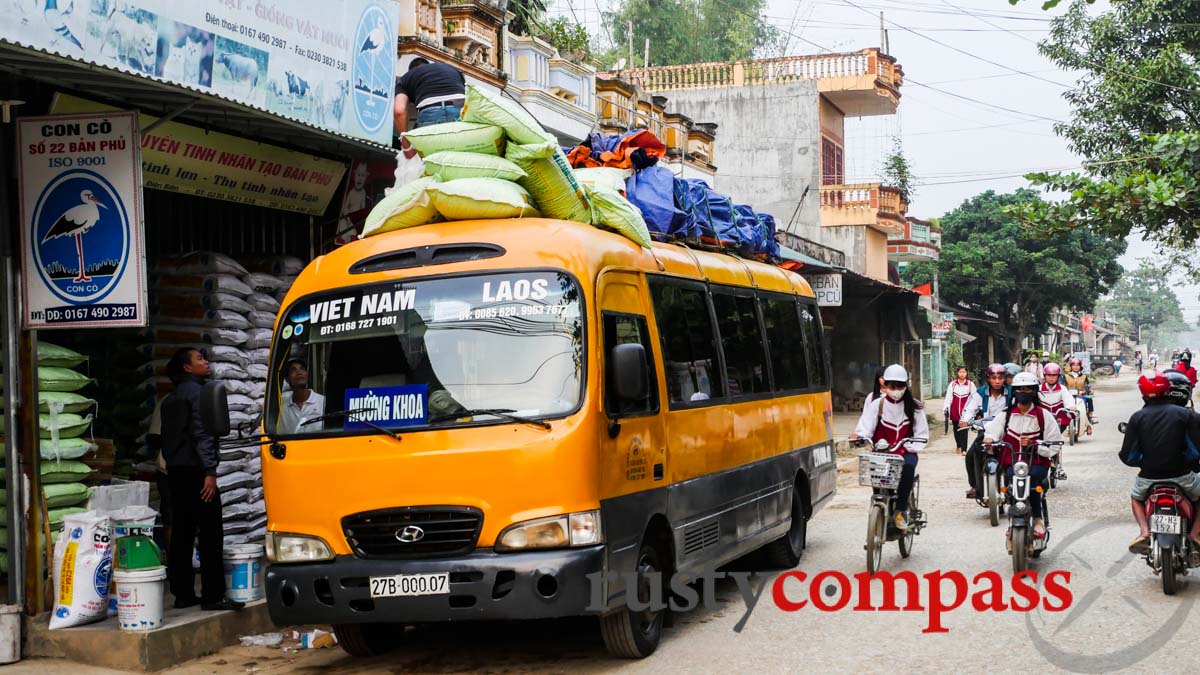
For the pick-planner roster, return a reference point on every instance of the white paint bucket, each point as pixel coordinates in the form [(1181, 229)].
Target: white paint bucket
[(244, 572), (140, 598), (10, 633)]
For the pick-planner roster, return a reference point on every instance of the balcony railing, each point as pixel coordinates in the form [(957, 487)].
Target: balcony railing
[(869, 204), (768, 71)]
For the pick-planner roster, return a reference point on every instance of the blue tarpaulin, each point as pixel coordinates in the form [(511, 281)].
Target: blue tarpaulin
[(652, 190)]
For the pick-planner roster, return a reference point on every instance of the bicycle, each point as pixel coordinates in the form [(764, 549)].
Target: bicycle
[(880, 471)]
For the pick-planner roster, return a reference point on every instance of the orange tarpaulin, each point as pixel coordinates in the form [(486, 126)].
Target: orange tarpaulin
[(620, 156)]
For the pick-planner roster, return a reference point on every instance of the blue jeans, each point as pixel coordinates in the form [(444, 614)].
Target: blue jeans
[(436, 114), (1040, 475)]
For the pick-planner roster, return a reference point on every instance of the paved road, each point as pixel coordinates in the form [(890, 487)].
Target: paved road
[(1119, 618)]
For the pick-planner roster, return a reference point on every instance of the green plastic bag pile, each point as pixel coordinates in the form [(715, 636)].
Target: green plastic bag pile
[(498, 162)]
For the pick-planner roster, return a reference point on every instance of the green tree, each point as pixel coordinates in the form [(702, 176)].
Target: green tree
[(527, 16), (691, 31), (569, 38), (1135, 111), (897, 172), (991, 260), (1145, 299)]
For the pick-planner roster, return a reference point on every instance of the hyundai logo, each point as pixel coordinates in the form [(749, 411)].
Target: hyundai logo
[(410, 534)]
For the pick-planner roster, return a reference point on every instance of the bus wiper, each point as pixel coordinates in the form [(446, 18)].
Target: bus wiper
[(505, 413), (348, 413)]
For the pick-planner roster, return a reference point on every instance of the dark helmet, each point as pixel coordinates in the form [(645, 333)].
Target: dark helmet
[(1181, 387)]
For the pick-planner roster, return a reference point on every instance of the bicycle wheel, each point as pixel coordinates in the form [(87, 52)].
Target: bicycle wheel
[(876, 535), (906, 541), (993, 496)]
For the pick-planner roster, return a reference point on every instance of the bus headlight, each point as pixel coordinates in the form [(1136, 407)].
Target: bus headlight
[(292, 548), (574, 529)]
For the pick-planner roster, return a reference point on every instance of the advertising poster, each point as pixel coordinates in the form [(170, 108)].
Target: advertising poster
[(189, 160), (81, 221), (330, 64)]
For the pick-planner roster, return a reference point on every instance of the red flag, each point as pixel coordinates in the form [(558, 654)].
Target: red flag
[(924, 289), (1087, 324)]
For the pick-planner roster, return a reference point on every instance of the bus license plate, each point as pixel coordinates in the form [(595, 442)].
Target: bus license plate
[(410, 584), (1166, 524)]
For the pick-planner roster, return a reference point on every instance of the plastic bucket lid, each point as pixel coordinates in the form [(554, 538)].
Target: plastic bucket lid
[(153, 574), (245, 551)]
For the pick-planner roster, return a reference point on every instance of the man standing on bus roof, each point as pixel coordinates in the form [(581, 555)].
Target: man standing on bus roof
[(437, 89)]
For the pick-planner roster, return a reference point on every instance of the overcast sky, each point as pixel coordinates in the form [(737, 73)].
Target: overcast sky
[(957, 147)]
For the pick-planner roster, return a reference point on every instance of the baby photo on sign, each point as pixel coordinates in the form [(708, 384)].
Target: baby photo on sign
[(185, 53), (240, 71)]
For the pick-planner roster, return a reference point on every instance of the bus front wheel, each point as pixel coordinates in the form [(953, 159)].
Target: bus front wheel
[(630, 634), (368, 639)]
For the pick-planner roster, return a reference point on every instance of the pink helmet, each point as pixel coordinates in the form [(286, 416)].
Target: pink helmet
[(1052, 369), (1075, 360)]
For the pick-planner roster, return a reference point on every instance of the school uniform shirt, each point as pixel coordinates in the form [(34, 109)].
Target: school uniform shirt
[(1056, 399), (984, 405), (1037, 424), (958, 395), (869, 401), (293, 416), (891, 424)]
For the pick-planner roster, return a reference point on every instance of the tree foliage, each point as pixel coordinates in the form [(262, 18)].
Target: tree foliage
[(569, 38), (527, 16), (1145, 299), (991, 260), (897, 172), (1135, 112), (692, 31)]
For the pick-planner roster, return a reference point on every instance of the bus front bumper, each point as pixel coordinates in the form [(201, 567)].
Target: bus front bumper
[(483, 585)]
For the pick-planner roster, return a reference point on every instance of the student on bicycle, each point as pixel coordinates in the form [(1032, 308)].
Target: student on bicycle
[(990, 400), (1023, 425), (893, 417)]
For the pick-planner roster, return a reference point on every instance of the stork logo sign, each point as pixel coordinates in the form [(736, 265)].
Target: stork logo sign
[(81, 217), (374, 69)]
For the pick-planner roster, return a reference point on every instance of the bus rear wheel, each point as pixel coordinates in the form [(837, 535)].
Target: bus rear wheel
[(630, 634), (368, 639), (785, 552)]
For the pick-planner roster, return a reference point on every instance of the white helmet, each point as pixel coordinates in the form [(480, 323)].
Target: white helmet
[(895, 373), (1025, 380)]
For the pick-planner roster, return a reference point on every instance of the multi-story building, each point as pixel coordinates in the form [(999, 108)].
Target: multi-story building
[(471, 35)]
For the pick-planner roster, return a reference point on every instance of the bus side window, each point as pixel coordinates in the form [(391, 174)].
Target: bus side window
[(789, 361), (742, 341), (814, 344), (689, 345), (620, 329)]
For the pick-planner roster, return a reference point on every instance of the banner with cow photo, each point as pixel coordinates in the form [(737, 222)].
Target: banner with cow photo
[(328, 63)]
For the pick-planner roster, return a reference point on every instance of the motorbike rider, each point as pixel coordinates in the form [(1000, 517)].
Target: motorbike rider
[(1185, 367), (895, 416), (1161, 440), (1010, 370), (1078, 382), (990, 400), (1023, 424), (1054, 396), (958, 395)]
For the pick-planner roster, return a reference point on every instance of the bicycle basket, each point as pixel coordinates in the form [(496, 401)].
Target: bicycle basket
[(880, 469)]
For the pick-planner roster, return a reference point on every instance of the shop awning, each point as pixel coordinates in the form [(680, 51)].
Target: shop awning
[(197, 107), (807, 261)]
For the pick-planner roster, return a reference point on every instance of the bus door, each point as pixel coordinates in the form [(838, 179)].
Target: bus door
[(633, 445)]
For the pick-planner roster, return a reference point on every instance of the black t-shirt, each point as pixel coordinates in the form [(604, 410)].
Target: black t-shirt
[(431, 80)]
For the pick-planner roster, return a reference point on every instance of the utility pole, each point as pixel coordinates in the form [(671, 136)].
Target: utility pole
[(629, 35)]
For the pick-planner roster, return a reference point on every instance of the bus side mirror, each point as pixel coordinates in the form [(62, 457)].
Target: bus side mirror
[(630, 371), (1121, 427), (214, 409)]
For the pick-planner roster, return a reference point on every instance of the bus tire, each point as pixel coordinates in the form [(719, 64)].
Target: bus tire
[(367, 639), (786, 551), (635, 635)]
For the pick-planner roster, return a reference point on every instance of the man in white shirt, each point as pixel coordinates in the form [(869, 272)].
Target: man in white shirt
[(304, 403)]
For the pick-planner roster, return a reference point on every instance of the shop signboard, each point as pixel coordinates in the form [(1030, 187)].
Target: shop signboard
[(81, 221), (328, 63), (185, 159), (941, 330), (828, 289)]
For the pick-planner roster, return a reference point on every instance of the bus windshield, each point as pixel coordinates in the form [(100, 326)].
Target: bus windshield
[(428, 353)]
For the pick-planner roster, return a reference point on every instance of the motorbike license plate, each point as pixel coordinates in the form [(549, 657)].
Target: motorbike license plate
[(410, 584), (1166, 524)]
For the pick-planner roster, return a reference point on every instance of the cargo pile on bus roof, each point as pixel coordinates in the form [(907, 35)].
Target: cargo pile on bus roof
[(498, 162)]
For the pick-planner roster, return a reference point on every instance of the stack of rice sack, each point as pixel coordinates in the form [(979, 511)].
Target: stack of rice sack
[(498, 163), (65, 416)]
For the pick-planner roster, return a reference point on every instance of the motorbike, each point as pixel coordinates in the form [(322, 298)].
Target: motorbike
[(1022, 545), (987, 481), (1171, 553), (880, 470)]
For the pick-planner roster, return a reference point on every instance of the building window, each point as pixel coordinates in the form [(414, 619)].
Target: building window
[(833, 168)]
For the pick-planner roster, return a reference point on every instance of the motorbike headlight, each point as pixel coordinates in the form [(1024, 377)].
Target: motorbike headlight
[(1020, 469), (292, 548), (1020, 508), (574, 529)]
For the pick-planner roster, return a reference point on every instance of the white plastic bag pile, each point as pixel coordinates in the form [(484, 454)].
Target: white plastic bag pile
[(227, 309)]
